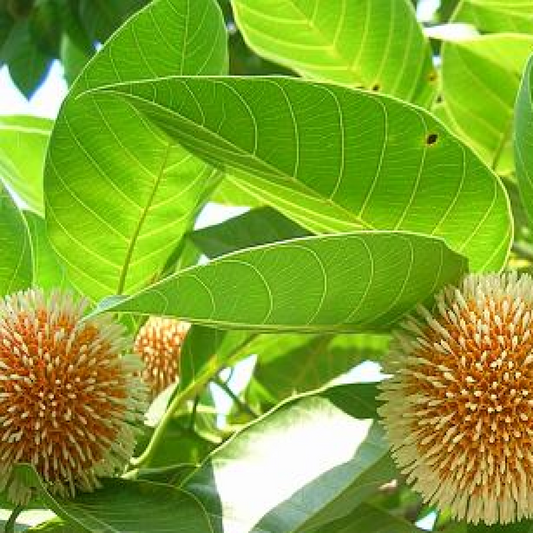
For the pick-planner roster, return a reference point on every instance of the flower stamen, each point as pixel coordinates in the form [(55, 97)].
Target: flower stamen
[(66, 394), (456, 410)]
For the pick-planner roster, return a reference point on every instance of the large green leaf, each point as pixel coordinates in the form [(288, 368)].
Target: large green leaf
[(306, 464), (524, 139), (48, 272), (289, 364), (348, 282), (361, 159), (23, 143), (124, 506), (102, 17), (490, 68), (28, 65), (258, 226), (296, 201), (377, 45), (119, 192), (368, 518), (497, 15), (73, 59), (180, 445), (6, 25), (16, 257), (45, 26)]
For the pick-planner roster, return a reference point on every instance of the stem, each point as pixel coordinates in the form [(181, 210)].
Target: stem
[(240, 404), (10, 524), (190, 392), (192, 420), (230, 374)]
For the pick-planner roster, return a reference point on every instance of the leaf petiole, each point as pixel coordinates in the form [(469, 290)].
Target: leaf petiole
[(10, 524)]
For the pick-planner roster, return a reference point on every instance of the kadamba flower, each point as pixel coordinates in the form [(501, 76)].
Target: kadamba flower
[(459, 408), (69, 399), (159, 344)]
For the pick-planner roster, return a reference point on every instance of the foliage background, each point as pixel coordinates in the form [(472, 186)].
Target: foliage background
[(134, 156)]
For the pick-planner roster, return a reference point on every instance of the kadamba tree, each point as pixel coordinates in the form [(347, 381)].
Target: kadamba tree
[(159, 343), (242, 210)]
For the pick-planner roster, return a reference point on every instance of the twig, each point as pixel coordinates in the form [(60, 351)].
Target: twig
[(10, 524), (240, 404), (192, 419), (191, 391)]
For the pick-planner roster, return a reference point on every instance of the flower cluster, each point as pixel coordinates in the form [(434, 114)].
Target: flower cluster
[(459, 408), (159, 344), (69, 398)]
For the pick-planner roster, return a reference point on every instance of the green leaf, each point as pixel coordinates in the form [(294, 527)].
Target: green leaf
[(119, 192), (523, 233), (6, 25), (180, 445), (309, 462), (73, 29), (23, 143), (295, 201), (48, 272), (446, 10), (496, 15), (125, 506), (523, 129), (73, 59), (16, 256), (45, 26), (361, 159), (334, 283), (102, 17), (488, 67), (290, 364), (170, 475), (376, 45), (372, 519), (259, 226), (28, 65)]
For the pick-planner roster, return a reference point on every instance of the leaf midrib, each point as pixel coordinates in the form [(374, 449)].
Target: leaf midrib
[(136, 233), (328, 46), (276, 172)]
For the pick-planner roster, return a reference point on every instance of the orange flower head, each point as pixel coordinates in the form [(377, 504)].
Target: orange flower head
[(69, 399), (159, 344), (458, 409)]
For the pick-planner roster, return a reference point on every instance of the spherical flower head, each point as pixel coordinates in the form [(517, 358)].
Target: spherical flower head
[(69, 399), (159, 344), (458, 409)]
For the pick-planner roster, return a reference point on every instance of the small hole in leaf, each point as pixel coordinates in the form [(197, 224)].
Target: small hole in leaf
[(376, 87), (431, 139)]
